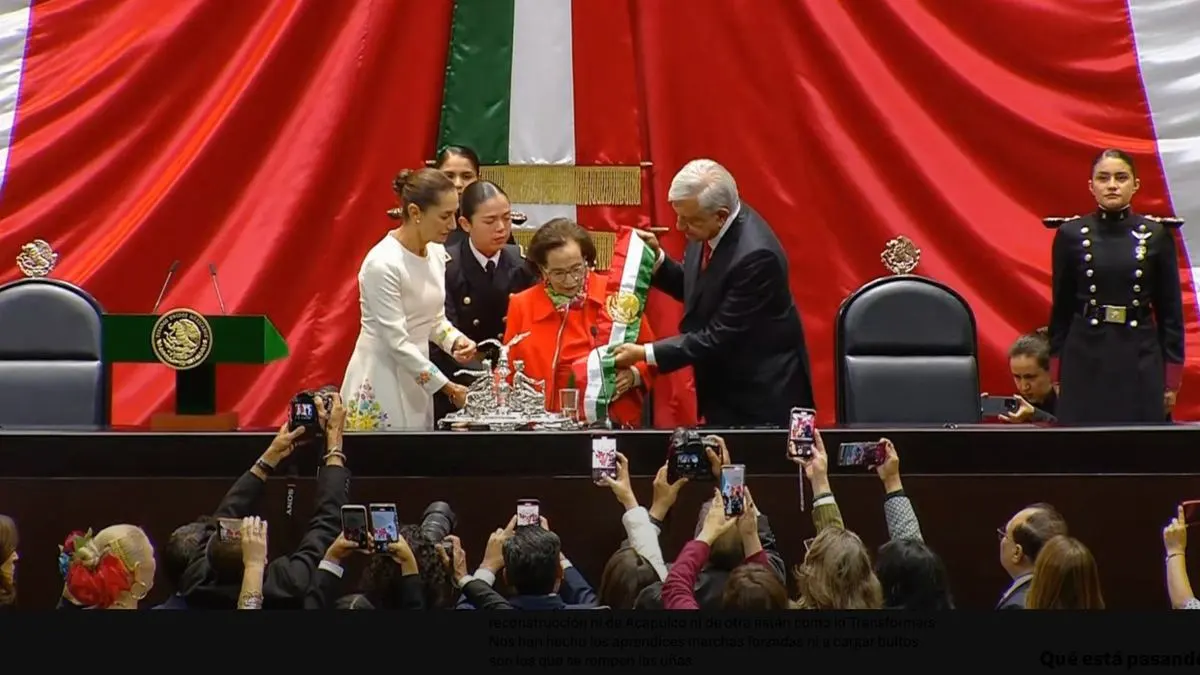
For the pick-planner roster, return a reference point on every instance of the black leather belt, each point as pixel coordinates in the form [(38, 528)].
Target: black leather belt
[(1123, 315)]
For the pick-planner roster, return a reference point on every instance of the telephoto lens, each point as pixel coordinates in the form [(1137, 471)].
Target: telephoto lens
[(438, 522)]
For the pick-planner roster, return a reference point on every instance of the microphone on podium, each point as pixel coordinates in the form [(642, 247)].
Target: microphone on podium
[(212, 272), (166, 282)]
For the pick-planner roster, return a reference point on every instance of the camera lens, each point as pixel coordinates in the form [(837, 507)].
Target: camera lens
[(438, 522)]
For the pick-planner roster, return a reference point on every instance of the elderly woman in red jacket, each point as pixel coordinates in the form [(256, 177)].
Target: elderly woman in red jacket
[(568, 316)]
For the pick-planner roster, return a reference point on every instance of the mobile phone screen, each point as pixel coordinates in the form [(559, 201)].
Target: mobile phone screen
[(528, 513), (733, 487), (802, 432), (385, 529), (229, 529), (1191, 511), (995, 406), (354, 524), (604, 459), (859, 453)]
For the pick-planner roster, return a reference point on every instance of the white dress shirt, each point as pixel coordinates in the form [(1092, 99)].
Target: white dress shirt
[(484, 260)]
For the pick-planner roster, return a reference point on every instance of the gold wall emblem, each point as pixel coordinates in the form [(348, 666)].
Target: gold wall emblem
[(182, 339), (901, 256), (36, 259), (623, 307)]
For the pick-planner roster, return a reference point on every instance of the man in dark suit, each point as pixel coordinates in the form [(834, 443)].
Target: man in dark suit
[(1021, 540), (212, 579), (479, 279), (741, 330)]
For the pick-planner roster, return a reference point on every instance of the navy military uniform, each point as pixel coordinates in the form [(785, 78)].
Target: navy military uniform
[(1116, 319), (477, 304)]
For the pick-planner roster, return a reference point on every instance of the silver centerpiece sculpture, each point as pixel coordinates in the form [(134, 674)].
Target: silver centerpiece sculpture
[(504, 399)]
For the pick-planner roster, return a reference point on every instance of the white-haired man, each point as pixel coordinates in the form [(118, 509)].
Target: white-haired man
[(740, 331)]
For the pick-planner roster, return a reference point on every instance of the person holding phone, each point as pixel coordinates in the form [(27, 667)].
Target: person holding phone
[(1029, 363), (1116, 318), (1175, 542)]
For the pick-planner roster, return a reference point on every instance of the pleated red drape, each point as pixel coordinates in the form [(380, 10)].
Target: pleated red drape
[(262, 137)]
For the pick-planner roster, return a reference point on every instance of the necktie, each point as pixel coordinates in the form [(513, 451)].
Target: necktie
[(705, 255), (490, 267)]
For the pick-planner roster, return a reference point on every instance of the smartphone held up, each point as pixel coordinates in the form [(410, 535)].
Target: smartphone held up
[(528, 513), (802, 433), (385, 526), (869, 454), (733, 489), (604, 459)]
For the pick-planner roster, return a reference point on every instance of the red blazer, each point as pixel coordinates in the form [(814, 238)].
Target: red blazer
[(531, 311)]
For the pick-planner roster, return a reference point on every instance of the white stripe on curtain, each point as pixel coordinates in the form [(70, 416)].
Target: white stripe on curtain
[(1167, 33), (14, 33)]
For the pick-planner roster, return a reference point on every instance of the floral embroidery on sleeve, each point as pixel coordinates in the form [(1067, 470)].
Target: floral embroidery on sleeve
[(364, 413), (442, 333), (425, 376)]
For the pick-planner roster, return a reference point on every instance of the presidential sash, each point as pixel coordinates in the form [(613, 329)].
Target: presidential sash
[(627, 286)]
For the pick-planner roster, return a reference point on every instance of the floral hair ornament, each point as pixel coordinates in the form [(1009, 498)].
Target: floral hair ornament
[(67, 550), (93, 578)]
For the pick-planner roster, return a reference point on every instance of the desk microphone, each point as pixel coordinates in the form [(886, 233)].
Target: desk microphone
[(212, 272), (166, 282)]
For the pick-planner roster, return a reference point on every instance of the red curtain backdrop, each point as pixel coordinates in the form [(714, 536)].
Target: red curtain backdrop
[(263, 136), (849, 123), (260, 136)]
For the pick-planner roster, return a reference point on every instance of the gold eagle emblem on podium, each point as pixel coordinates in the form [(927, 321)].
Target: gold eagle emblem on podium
[(182, 339)]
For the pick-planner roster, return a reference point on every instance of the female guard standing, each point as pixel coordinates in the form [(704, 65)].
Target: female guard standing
[(1116, 318)]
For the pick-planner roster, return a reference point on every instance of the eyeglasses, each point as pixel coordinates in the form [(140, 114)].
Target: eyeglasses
[(1003, 535), (576, 272)]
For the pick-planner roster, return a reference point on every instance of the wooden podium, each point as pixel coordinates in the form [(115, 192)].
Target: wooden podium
[(130, 338)]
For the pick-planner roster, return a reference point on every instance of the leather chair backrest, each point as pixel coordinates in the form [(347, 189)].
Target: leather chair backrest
[(52, 372), (906, 353)]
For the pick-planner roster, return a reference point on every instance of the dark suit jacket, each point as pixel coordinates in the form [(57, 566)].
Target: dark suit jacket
[(477, 305), (573, 593), (288, 579), (1014, 597), (740, 331)]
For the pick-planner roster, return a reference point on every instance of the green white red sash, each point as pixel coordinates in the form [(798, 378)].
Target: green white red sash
[(627, 287)]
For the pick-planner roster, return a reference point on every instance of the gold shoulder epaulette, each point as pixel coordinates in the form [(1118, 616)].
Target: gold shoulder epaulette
[(1057, 222), (1165, 222)]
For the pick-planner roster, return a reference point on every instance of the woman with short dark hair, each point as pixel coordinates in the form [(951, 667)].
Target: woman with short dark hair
[(563, 315)]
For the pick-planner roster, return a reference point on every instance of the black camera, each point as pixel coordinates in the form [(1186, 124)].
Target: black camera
[(438, 522), (687, 457), (302, 412)]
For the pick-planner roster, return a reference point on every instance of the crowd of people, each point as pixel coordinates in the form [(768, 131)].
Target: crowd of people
[(732, 562), (449, 278)]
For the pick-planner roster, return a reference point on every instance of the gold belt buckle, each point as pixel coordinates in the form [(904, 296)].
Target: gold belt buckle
[(1114, 314)]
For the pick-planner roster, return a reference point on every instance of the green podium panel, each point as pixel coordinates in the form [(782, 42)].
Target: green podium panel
[(128, 338)]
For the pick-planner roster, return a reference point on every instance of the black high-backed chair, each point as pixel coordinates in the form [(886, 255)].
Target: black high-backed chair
[(906, 353), (52, 372)]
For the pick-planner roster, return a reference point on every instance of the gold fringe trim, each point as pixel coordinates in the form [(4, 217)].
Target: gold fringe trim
[(563, 184), (605, 243)]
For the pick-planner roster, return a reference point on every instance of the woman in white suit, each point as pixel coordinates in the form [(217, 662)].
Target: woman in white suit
[(390, 381)]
